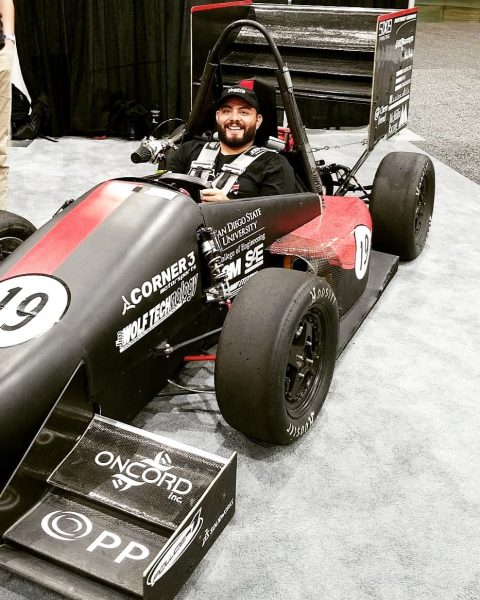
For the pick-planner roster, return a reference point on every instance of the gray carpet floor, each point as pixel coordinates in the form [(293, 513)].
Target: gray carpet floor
[(381, 499), (445, 95)]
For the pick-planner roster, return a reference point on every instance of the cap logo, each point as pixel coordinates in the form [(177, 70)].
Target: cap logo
[(236, 90)]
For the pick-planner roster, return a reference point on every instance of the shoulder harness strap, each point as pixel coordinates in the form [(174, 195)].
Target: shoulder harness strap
[(232, 171), (203, 166)]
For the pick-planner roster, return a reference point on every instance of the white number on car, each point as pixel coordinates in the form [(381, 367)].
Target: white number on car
[(29, 306), (363, 243)]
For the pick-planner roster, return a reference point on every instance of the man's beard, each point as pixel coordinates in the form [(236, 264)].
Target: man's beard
[(237, 142)]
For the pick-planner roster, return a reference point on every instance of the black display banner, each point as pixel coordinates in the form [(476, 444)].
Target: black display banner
[(392, 74)]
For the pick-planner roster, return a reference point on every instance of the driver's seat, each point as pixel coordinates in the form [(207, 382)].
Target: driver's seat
[(265, 92), (267, 134)]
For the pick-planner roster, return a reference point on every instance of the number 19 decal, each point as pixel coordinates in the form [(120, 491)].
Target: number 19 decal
[(29, 306), (363, 243)]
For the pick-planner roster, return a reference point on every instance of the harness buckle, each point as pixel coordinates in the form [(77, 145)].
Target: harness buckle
[(233, 170), (197, 164)]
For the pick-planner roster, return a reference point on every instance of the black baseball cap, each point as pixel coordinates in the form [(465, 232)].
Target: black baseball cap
[(239, 92)]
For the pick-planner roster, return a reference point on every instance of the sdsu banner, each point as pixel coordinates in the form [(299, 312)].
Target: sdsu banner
[(392, 74)]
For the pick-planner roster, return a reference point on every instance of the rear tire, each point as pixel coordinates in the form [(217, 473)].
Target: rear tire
[(401, 203), (14, 230), (276, 355)]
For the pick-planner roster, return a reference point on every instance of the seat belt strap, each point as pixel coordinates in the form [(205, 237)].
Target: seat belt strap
[(231, 172), (203, 166)]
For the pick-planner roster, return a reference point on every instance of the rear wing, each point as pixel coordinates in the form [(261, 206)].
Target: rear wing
[(392, 74), (392, 78)]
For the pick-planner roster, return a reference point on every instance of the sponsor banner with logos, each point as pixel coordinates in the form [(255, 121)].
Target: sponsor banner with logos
[(392, 75)]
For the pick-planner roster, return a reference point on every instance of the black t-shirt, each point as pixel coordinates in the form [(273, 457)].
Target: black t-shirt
[(268, 175)]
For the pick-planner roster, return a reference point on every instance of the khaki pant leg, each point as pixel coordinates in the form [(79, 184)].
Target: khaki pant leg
[(6, 56)]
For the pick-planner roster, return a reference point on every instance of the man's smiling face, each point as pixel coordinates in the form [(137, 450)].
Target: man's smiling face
[(237, 123)]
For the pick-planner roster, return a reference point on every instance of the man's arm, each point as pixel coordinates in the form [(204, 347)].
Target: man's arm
[(179, 160), (7, 11), (176, 161)]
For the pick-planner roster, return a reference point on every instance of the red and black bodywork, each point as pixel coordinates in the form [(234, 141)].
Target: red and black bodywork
[(128, 257), (130, 277), (99, 307)]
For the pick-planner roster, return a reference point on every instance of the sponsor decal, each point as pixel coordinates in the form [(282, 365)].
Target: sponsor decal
[(161, 282), (241, 228), (136, 330), (67, 526), (130, 473), (252, 261), (385, 29), (392, 75), (221, 516), (363, 245), (236, 287), (381, 114), (174, 550), (398, 119), (402, 42), (30, 305), (400, 98)]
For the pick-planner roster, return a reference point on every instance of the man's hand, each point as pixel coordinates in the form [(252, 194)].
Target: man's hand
[(212, 195)]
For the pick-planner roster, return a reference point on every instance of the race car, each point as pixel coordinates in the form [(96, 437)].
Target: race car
[(105, 302)]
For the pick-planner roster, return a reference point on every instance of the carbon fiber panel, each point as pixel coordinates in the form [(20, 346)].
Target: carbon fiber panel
[(143, 476), (96, 544)]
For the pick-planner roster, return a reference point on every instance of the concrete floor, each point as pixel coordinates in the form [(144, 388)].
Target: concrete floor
[(381, 499)]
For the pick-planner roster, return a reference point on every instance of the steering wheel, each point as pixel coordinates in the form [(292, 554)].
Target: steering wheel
[(192, 185)]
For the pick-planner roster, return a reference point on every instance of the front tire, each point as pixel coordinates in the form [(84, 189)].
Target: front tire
[(401, 203), (14, 230), (276, 355)]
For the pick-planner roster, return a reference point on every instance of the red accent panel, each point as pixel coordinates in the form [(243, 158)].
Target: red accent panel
[(330, 235), (203, 7), (57, 245), (247, 83), (394, 15)]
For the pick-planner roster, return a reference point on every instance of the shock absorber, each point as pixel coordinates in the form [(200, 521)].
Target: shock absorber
[(212, 251)]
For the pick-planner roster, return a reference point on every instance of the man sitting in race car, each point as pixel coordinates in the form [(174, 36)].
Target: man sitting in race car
[(234, 166)]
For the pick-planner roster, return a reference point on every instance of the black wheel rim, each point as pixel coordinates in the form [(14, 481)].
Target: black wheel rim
[(7, 245), (304, 367), (422, 212)]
